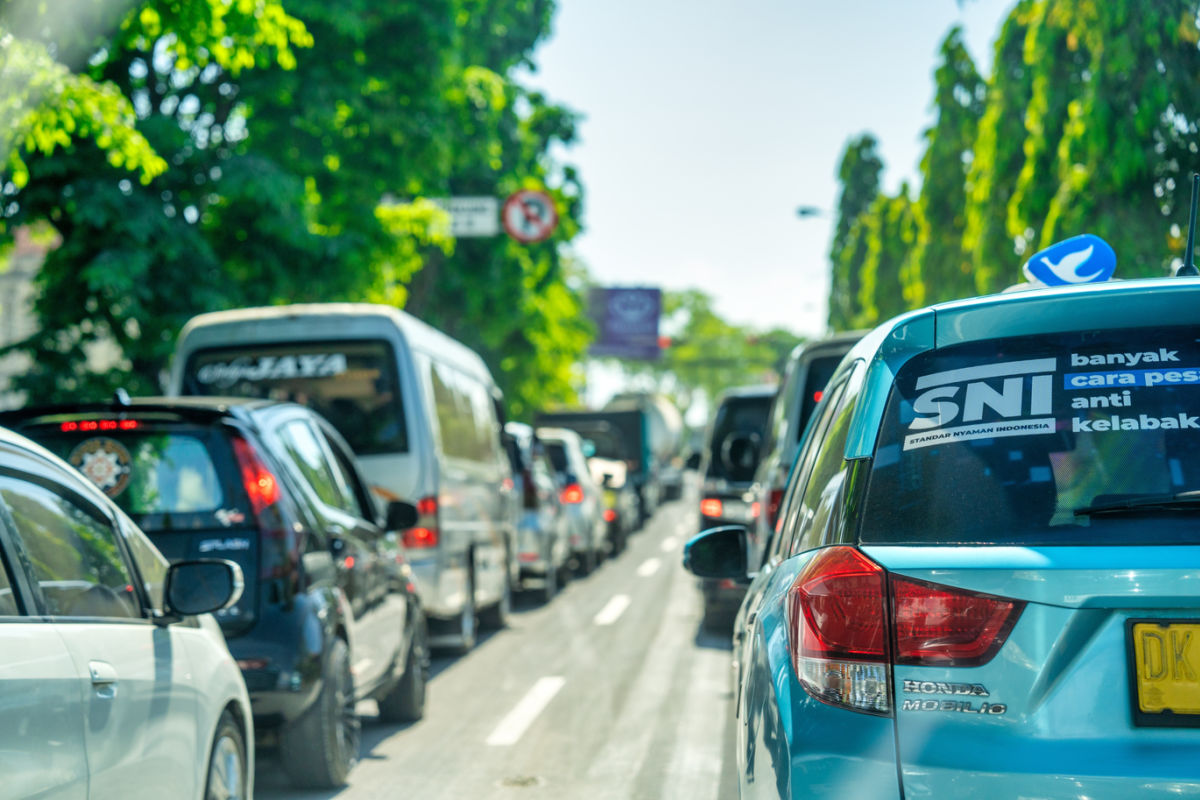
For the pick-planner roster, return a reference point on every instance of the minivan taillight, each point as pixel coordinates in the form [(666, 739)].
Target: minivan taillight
[(424, 534), (843, 648), (261, 486), (947, 627), (572, 494)]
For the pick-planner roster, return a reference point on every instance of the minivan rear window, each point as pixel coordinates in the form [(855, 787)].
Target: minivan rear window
[(820, 370), (737, 435), (1074, 438), (353, 384), (145, 473)]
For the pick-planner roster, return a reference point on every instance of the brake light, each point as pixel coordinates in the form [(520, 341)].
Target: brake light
[(755, 509), (711, 507), (842, 646), (424, 534), (610, 515), (837, 631), (572, 494), (817, 395), (774, 501), (260, 484), (420, 537), (71, 426), (944, 626)]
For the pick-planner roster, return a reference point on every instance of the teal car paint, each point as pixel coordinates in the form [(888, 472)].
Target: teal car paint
[(985, 579)]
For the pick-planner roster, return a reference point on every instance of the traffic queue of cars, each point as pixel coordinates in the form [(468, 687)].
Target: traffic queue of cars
[(336, 485), (979, 581)]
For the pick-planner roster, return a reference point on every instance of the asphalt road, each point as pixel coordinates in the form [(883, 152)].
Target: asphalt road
[(610, 692)]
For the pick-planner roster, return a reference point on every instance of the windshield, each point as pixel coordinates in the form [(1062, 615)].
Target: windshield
[(1010, 442), (737, 435), (352, 384)]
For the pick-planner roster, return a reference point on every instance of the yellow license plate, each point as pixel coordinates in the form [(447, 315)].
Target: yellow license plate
[(1167, 669)]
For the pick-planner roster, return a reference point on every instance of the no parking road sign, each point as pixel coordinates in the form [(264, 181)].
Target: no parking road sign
[(529, 216)]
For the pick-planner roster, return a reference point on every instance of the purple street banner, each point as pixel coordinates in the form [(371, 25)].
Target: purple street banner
[(626, 321)]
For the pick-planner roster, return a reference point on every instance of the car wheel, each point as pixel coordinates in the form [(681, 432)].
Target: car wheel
[(585, 562), (495, 617), (467, 621), (319, 749), (406, 701), (227, 762), (551, 583)]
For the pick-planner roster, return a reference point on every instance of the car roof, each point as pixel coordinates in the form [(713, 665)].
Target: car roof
[(203, 409), (1147, 303), (762, 390)]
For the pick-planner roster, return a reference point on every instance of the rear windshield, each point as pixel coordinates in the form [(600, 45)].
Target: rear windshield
[(1076, 438), (820, 370), (558, 457), (738, 432), (352, 384), (145, 473)]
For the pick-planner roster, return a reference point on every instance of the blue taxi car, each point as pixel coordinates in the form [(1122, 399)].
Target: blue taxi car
[(985, 580)]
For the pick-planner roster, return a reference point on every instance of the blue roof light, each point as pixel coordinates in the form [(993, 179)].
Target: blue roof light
[(1080, 259)]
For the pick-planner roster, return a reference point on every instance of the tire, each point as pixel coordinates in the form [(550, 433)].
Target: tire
[(319, 749), (406, 701), (585, 562), (227, 778), (550, 585), (495, 617), (468, 620)]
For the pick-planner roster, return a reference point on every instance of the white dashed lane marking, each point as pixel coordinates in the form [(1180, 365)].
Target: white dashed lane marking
[(513, 727), (648, 567), (612, 610)]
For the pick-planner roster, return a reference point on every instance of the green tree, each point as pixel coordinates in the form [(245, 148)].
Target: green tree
[(858, 174), (890, 234), (938, 268), (999, 156)]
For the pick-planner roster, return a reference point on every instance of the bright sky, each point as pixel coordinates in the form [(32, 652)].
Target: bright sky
[(707, 122)]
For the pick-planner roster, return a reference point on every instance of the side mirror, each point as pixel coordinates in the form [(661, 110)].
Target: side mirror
[(400, 516), (202, 586), (693, 460), (717, 553)]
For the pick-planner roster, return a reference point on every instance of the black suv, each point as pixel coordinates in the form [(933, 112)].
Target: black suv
[(329, 614)]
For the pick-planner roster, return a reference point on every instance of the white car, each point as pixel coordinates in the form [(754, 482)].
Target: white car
[(114, 681)]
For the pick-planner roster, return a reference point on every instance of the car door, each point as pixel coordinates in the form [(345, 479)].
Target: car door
[(355, 542), (41, 737), (133, 677)]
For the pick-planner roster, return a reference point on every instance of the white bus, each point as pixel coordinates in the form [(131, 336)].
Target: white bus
[(419, 409)]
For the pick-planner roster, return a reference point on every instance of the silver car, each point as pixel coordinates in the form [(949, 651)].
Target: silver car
[(580, 495), (543, 537), (111, 685)]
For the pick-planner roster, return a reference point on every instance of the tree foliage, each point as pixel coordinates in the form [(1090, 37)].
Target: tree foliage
[(858, 173), (1088, 124), (287, 154)]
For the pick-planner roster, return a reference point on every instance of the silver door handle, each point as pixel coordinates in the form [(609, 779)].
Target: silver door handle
[(103, 674)]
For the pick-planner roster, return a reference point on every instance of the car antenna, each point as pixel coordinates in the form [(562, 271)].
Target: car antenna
[(1189, 265)]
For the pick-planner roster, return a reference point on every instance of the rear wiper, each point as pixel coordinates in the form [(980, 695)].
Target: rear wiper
[(1180, 501)]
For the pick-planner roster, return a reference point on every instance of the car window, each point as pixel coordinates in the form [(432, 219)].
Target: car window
[(791, 523), (150, 563), (358, 501), (823, 487), (354, 385), (737, 436), (1043, 439), (309, 459), (8, 600), (73, 553)]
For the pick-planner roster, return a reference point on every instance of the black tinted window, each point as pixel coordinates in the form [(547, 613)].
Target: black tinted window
[(8, 602), (558, 456), (354, 385), (1013, 441), (737, 435), (820, 370)]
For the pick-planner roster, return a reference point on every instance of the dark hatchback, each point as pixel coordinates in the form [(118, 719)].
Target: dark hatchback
[(329, 614)]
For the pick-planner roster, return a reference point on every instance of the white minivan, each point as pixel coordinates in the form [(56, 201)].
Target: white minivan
[(420, 410)]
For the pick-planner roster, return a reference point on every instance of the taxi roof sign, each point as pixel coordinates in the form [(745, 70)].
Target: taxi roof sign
[(1080, 259)]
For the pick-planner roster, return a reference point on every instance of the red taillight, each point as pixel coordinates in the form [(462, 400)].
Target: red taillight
[(710, 507), (610, 515), (424, 534), (755, 509), (572, 494), (261, 486), (420, 537), (943, 626), (817, 395), (837, 630), (99, 425), (837, 600), (774, 501)]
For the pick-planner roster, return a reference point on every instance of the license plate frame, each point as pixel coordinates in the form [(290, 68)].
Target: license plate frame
[(1150, 719)]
